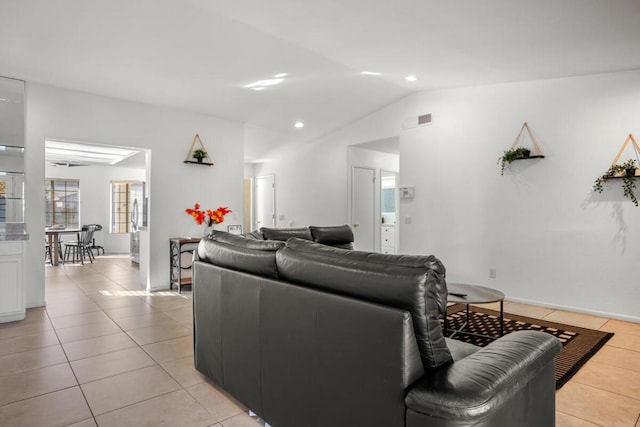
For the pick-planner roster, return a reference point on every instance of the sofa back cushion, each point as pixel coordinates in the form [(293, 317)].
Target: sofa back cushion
[(255, 234), (285, 233), (339, 236), (408, 282), (240, 253)]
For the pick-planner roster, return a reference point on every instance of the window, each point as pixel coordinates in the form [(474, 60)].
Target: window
[(120, 209), (62, 202)]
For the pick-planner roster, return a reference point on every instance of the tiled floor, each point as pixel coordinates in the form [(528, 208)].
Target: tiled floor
[(104, 352)]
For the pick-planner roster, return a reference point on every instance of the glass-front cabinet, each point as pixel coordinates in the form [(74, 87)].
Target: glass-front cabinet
[(12, 207), (12, 131)]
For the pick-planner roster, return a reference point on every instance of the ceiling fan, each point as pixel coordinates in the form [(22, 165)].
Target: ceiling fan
[(67, 164)]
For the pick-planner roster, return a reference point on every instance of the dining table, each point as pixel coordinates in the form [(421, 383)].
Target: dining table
[(53, 237)]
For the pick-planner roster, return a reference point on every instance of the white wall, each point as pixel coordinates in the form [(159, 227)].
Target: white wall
[(95, 195), (550, 238), (171, 184)]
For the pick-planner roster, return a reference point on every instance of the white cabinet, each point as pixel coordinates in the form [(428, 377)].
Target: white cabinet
[(388, 239), (12, 304)]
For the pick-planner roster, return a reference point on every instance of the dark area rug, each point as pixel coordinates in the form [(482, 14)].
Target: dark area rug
[(578, 344)]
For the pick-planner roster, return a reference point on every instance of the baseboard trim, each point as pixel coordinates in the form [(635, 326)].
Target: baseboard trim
[(616, 316)]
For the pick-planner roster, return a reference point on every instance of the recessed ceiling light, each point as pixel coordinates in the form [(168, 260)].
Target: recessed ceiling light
[(298, 125), (281, 75), (411, 78), (370, 73), (258, 88), (264, 83)]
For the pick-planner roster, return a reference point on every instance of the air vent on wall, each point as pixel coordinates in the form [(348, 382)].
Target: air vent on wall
[(413, 122)]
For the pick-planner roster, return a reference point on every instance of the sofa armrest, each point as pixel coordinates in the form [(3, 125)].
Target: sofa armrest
[(481, 383)]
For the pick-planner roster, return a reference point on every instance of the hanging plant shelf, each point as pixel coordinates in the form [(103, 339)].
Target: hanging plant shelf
[(627, 171), (519, 152), (198, 163), (200, 154)]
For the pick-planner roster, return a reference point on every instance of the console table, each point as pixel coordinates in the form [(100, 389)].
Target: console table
[(177, 247)]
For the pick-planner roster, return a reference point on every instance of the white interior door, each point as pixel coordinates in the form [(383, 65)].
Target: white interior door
[(363, 220), (265, 202)]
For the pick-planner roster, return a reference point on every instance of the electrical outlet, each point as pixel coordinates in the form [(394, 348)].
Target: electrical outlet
[(492, 273), (407, 220)]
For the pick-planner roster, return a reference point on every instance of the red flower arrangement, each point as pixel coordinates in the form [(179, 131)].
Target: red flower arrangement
[(212, 217)]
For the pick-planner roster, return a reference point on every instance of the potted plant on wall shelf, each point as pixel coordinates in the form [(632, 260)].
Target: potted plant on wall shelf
[(626, 171), (511, 155), (199, 155)]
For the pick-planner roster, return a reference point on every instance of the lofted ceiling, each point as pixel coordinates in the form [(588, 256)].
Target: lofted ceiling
[(199, 55)]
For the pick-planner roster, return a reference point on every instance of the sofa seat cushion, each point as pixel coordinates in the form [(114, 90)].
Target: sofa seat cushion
[(406, 282), (240, 253)]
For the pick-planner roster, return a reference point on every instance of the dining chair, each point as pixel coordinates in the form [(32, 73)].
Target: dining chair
[(82, 248), (93, 241)]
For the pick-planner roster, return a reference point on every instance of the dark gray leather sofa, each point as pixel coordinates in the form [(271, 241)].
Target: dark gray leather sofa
[(305, 334)]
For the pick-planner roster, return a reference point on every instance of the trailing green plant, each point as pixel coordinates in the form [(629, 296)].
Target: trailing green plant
[(627, 171), (199, 154), (511, 155)]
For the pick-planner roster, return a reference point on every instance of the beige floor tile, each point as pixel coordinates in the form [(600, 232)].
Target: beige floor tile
[(173, 409), (152, 334), (27, 342), (576, 319), (170, 349), (60, 408), (36, 314), (86, 423), (122, 312), (620, 327), (171, 303), (126, 389), (92, 330), (97, 289), (57, 295), (36, 382), (120, 301), (217, 403), (16, 329), (183, 371), (564, 420), (240, 420), (182, 315), (526, 310), (110, 364), (610, 378), (99, 345), (155, 318), (625, 340), (11, 364), (79, 319), (71, 307), (620, 357), (597, 406)]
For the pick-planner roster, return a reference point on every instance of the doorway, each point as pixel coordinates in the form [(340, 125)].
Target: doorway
[(368, 163), (264, 202), (388, 211)]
